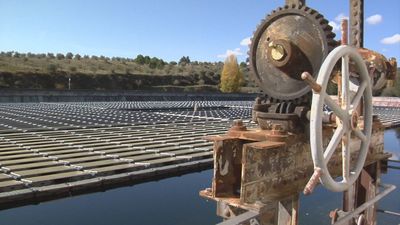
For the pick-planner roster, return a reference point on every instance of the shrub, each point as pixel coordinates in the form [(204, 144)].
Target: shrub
[(73, 69), (52, 68)]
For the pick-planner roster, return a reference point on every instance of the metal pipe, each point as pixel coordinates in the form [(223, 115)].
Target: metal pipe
[(388, 188), (345, 32), (394, 167), (388, 212)]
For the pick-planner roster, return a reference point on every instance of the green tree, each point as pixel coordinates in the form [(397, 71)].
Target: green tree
[(139, 59), (69, 55), (50, 55), (184, 60), (147, 59), (153, 63), (231, 75), (77, 57), (60, 56)]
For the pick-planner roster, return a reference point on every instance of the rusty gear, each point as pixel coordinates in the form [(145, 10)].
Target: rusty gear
[(291, 40)]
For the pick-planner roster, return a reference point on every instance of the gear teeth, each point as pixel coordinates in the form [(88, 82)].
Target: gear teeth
[(330, 35), (331, 42), (323, 21), (327, 28), (319, 19)]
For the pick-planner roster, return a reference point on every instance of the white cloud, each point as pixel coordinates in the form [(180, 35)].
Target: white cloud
[(246, 42), (375, 19), (334, 25), (391, 40), (341, 16), (229, 52)]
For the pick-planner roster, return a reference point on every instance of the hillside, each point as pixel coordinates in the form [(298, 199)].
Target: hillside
[(52, 71)]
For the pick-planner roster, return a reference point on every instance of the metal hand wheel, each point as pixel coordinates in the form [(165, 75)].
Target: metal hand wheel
[(347, 118)]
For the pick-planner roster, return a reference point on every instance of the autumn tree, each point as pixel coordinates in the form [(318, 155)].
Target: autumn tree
[(231, 75)]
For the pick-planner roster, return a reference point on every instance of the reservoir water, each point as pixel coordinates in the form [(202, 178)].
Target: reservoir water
[(175, 201)]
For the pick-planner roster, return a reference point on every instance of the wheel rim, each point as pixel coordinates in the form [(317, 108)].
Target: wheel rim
[(344, 113)]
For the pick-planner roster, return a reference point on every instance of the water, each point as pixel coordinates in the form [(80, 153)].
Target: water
[(175, 201)]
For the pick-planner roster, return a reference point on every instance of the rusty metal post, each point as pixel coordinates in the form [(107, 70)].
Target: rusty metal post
[(295, 209), (344, 25), (295, 2), (357, 23)]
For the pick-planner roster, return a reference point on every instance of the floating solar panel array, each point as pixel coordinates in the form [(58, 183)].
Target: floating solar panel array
[(30, 116), (52, 150), (389, 116)]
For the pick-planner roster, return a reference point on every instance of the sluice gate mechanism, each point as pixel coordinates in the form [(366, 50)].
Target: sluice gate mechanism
[(305, 135)]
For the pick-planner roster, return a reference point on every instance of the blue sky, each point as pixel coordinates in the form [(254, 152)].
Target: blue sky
[(205, 30)]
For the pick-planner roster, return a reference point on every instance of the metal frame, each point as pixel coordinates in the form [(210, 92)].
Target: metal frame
[(387, 189)]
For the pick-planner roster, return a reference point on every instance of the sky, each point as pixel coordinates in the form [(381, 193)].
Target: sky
[(204, 30)]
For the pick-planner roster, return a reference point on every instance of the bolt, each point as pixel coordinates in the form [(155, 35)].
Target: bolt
[(278, 52), (276, 127)]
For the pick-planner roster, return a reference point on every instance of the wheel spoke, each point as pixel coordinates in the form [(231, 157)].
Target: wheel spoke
[(346, 156), (335, 140), (356, 100), (360, 135), (336, 108), (345, 83)]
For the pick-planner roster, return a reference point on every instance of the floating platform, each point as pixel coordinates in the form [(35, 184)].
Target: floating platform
[(50, 164), (55, 150)]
